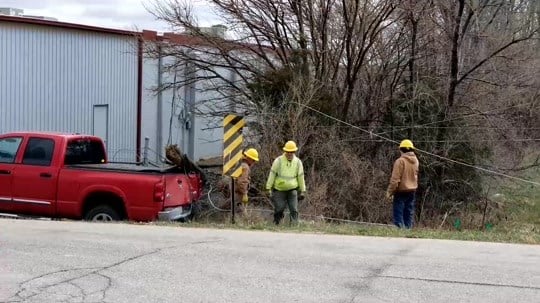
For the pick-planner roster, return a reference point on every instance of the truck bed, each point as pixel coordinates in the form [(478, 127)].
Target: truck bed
[(127, 168)]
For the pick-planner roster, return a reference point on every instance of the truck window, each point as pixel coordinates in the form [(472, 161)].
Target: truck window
[(84, 151), (39, 151), (9, 148)]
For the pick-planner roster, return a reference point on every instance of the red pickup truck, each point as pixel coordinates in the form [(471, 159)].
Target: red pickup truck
[(68, 176)]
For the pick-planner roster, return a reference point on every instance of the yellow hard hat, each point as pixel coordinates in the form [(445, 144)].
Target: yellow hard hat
[(252, 154), (406, 144), (290, 147)]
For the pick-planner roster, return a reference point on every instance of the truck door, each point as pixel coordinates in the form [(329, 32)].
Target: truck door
[(8, 152), (35, 178)]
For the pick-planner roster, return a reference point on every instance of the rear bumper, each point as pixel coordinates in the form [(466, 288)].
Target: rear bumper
[(175, 213)]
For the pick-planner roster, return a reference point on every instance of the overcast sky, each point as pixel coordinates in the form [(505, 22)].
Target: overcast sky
[(122, 14)]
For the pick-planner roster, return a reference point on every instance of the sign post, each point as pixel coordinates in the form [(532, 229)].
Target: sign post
[(232, 152)]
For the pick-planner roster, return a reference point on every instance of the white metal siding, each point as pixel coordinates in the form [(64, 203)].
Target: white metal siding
[(149, 116), (50, 79), (157, 132), (207, 131)]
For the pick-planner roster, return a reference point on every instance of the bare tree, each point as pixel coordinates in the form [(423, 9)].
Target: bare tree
[(435, 71), (328, 40)]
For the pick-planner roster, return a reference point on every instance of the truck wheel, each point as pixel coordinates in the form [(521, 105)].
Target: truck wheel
[(102, 213), (196, 210)]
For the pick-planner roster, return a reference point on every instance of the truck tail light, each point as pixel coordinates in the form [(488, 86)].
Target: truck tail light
[(159, 192)]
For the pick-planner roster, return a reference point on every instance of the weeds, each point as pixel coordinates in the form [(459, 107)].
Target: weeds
[(505, 234)]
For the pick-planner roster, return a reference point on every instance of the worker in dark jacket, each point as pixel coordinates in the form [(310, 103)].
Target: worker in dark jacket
[(403, 185)]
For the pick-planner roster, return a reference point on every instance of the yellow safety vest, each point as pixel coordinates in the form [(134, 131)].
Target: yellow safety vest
[(286, 175)]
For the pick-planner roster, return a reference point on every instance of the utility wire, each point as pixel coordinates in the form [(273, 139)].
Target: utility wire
[(456, 118), (418, 127), (393, 141), (449, 141), (420, 150), (213, 205), (461, 127)]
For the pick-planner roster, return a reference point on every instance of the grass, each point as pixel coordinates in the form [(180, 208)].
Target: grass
[(505, 234), (521, 202)]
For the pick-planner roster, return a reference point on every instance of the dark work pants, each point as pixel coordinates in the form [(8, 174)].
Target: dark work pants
[(404, 209), (281, 199)]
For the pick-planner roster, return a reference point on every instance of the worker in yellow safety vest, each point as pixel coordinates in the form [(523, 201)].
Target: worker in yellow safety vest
[(286, 184)]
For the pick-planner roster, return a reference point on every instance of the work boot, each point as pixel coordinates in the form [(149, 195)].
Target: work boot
[(294, 217), (278, 217), (239, 208)]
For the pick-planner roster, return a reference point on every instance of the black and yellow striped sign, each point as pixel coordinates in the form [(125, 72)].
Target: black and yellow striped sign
[(232, 145)]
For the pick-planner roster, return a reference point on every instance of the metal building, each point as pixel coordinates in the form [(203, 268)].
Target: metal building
[(57, 76), (168, 115)]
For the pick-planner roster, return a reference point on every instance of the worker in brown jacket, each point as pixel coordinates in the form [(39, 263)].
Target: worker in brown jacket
[(241, 185), (403, 185)]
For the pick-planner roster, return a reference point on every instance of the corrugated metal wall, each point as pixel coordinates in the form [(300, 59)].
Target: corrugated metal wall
[(150, 127), (51, 78), (158, 109), (199, 136)]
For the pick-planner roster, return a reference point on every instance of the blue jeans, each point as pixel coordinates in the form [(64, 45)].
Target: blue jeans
[(404, 209)]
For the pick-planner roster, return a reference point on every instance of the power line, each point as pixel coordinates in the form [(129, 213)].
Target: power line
[(458, 118), (463, 127), (420, 150), (448, 141), (213, 205), (442, 127)]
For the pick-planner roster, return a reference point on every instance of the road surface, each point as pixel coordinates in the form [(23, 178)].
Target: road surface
[(63, 261)]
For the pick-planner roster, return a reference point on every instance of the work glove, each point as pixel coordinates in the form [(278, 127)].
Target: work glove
[(389, 196), (302, 196), (245, 199), (269, 193)]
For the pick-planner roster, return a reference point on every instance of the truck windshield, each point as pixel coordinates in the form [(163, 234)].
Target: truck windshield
[(84, 151)]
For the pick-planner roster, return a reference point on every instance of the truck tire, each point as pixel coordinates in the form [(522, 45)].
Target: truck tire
[(196, 210), (102, 213)]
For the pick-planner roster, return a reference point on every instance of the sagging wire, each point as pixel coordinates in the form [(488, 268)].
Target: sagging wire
[(321, 217), (361, 139), (453, 119), (212, 202), (416, 149), (382, 139)]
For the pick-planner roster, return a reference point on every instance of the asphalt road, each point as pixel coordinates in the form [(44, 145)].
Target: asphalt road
[(51, 261)]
